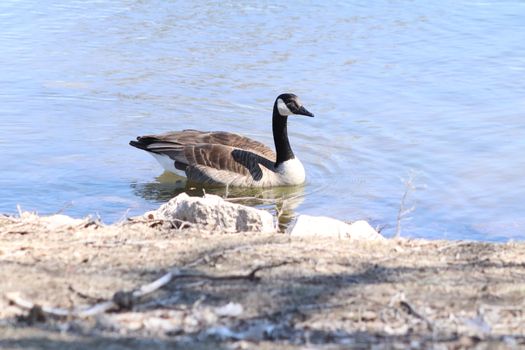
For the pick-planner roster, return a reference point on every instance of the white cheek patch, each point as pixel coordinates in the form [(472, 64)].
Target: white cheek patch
[(283, 108)]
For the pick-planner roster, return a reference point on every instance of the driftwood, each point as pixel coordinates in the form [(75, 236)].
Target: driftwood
[(125, 300)]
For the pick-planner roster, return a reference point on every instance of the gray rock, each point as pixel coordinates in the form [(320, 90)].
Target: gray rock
[(214, 213)]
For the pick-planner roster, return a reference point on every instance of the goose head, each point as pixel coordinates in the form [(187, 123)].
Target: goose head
[(289, 104)]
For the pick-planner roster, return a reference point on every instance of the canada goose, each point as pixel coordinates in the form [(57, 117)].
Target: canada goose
[(223, 158)]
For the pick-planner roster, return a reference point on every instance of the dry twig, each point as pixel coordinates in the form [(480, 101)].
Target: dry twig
[(123, 300)]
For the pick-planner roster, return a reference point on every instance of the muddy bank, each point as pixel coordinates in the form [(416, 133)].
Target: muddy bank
[(255, 290)]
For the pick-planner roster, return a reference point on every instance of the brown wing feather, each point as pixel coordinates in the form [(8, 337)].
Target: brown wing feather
[(210, 156), (195, 137), (228, 158)]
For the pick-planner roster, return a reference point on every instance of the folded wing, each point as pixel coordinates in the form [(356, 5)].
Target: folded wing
[(204, 156)]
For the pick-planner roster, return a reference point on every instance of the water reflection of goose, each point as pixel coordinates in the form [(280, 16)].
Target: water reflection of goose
[(223, 158), (282, 201)]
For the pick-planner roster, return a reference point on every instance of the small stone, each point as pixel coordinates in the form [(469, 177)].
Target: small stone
[(368, 316), (229, 310), (158, 324), (59, 221)]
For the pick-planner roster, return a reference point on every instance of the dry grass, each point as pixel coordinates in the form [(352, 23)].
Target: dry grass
[(319, 293)]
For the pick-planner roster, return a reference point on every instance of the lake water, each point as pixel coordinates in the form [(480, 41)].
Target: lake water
[(428, 91)]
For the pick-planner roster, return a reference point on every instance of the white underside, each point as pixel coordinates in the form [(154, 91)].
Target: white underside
[(290, 172), (167, 163)]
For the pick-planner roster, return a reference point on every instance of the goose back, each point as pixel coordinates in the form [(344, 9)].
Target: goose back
[(213, 158)]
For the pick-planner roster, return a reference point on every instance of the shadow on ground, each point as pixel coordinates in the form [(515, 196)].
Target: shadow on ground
[(396, 293)]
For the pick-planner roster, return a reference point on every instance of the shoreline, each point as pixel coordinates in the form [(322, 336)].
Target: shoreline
[(307, 291)]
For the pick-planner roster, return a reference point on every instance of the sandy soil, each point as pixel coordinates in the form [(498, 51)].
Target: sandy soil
[(307, 293)]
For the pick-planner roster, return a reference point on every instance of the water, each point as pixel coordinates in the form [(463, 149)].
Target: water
[(400, 89)]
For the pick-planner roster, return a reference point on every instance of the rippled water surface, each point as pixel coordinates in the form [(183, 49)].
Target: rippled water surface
[(428, 91)]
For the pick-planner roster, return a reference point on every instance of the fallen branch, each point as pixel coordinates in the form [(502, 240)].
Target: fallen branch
[(83, 295), (123, 300), (16, 299), (216, 255)]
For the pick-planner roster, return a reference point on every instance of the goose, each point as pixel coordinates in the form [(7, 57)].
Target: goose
[(228, 159)]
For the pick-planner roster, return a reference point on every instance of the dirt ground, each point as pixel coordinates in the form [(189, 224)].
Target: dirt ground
[(262, 291)]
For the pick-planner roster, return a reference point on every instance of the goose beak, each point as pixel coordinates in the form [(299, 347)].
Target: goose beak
[(304, 111)]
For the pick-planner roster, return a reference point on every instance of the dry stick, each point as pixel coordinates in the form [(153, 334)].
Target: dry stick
[(217, 255), (402, 213), (126, 299), (176, 223), (280, 211), (64, 207), (83, 295), (105, 306), (262, 200), (20, 211), (17, 300), (453, 245), (124, 216)]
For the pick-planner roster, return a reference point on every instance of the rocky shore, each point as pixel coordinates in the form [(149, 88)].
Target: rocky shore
[(206, 281)]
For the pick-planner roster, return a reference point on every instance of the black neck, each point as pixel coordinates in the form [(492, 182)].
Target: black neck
[(280, 137)]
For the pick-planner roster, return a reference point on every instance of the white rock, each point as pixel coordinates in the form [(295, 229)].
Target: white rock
[(322, 226), (223, 332), (229, 310), (214, 213), (58, 221), (158, 324)]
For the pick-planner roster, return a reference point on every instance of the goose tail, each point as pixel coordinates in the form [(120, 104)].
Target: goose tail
[(138, 144), (169, 154), (147, 143)]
